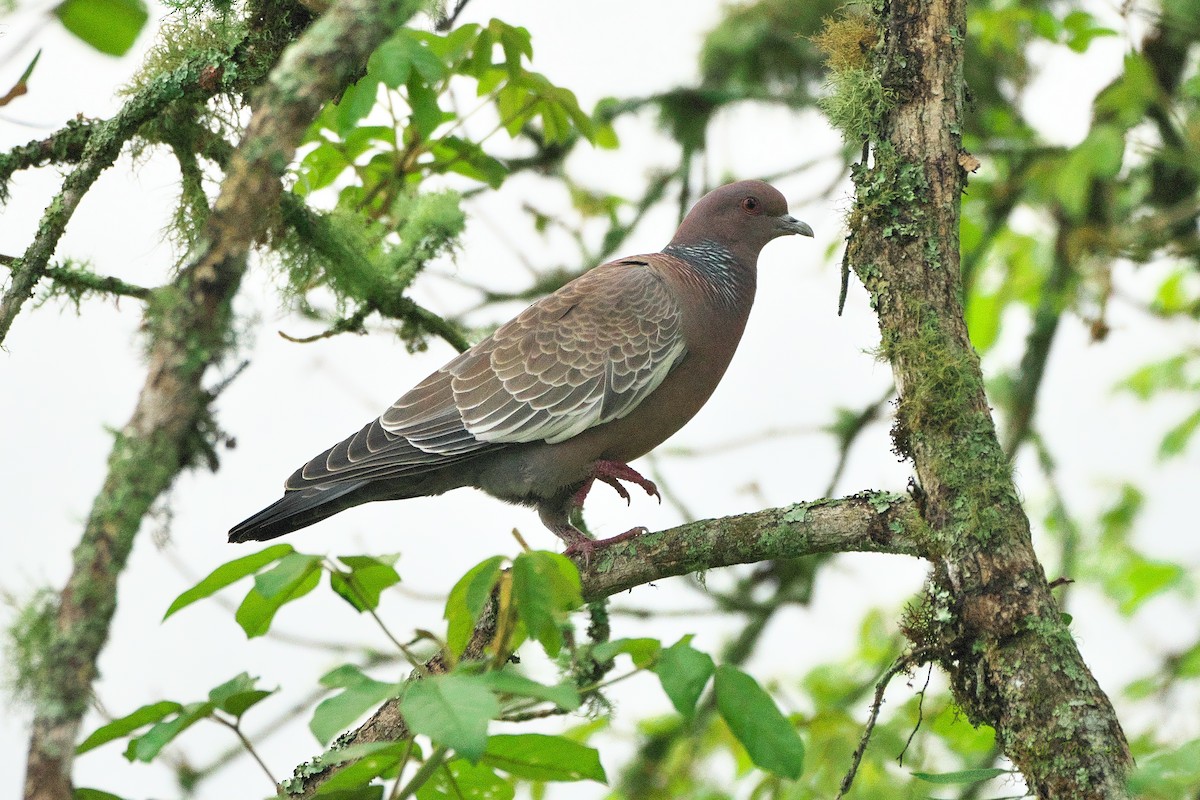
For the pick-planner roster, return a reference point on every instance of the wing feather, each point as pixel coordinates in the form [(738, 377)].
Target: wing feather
[(583, 356)]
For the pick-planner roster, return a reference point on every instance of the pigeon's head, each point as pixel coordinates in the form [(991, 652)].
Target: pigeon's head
[(742, 217)]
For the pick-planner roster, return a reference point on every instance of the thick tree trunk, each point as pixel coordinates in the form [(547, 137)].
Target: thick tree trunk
[(1011, 659)]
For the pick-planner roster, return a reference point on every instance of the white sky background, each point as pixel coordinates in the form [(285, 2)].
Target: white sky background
[(65, 378)]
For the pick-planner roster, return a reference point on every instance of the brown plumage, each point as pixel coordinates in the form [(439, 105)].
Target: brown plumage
[(580, 383)]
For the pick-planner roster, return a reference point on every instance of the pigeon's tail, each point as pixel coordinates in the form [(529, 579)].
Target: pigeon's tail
[(298, 509)]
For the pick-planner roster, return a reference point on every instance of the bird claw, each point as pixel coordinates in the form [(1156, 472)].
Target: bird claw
[(613, 472)]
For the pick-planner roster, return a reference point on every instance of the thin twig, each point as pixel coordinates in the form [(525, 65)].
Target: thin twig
[(236, 728), (920, 716), (901, 664)]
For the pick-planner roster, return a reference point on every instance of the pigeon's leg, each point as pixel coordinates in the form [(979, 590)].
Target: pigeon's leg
[(556, 515)]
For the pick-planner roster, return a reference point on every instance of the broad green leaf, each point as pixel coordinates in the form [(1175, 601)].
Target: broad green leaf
[(377, 760), (362, 586), (1139, 579), (538, 757), (93, 794), (427, 114), (110, 26), (283, 578), (396, 59), (369, 791), (453, 710), (466, 602), (962, 776), (642, 651), (1126, 99), (1168, 774), (356, 102), (684, 672), (228, 573), (564, 695), (1168, 375), (293, 577), (983, 319), (147, 746), (459, 779), (770, 740), (238, 694), (321, 167), (1176, 440), (1080, 28), (127, 724), (360, 694), (545, 587)]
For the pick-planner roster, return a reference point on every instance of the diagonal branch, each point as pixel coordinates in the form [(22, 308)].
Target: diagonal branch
[(869, 522), (189, 329)]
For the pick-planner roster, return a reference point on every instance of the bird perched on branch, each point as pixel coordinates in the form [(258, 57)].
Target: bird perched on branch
[(570, 391)]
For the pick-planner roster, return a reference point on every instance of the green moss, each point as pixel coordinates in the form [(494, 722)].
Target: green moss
[(855, 100), (27, 675)]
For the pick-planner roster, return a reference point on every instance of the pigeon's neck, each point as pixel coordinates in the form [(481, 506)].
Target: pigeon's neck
[(719, 272)]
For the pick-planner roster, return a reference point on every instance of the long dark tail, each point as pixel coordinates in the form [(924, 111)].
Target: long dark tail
[(298, 509)]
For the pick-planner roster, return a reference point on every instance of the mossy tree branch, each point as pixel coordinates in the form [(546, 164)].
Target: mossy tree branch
[(190, 329), (1012, 662), (869, 522)]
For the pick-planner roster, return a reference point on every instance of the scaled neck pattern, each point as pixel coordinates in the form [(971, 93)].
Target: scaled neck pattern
[(717, 271)]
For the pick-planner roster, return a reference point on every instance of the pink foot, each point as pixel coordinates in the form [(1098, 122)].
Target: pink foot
[(584, 547)]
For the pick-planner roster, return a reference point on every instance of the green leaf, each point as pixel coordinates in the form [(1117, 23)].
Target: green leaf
[(356, 102), (983, 319), (427, 115), (1168, 774), (1168, 375), (1139, 579), (110, 26), (545, 587), (362, 586), (238, 694), (770, 740), (564, 695), (684, 672), (962, 776), (453, 710), (1176, 440), (228, 573), (466, 602), (94, 794), (643, 651), (321, 167), (145, 747), (461, 780), (371, 761), (294, 576), (538, 757), (361, 693), (396, 59), (127, 724)]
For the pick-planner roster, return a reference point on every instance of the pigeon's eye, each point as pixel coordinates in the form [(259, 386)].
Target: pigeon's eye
[(751, 205)]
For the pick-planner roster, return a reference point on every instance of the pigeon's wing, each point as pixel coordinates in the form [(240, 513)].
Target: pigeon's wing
[(585, 355)]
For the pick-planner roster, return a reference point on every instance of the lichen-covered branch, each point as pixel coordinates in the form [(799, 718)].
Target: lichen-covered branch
[(101, 146), (190, 329), (1011, 660), (869, 522)]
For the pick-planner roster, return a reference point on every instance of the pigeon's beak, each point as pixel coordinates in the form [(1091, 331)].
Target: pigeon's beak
[(787, 224)]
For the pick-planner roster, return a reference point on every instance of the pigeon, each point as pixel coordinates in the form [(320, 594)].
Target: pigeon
[(570, 391)]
